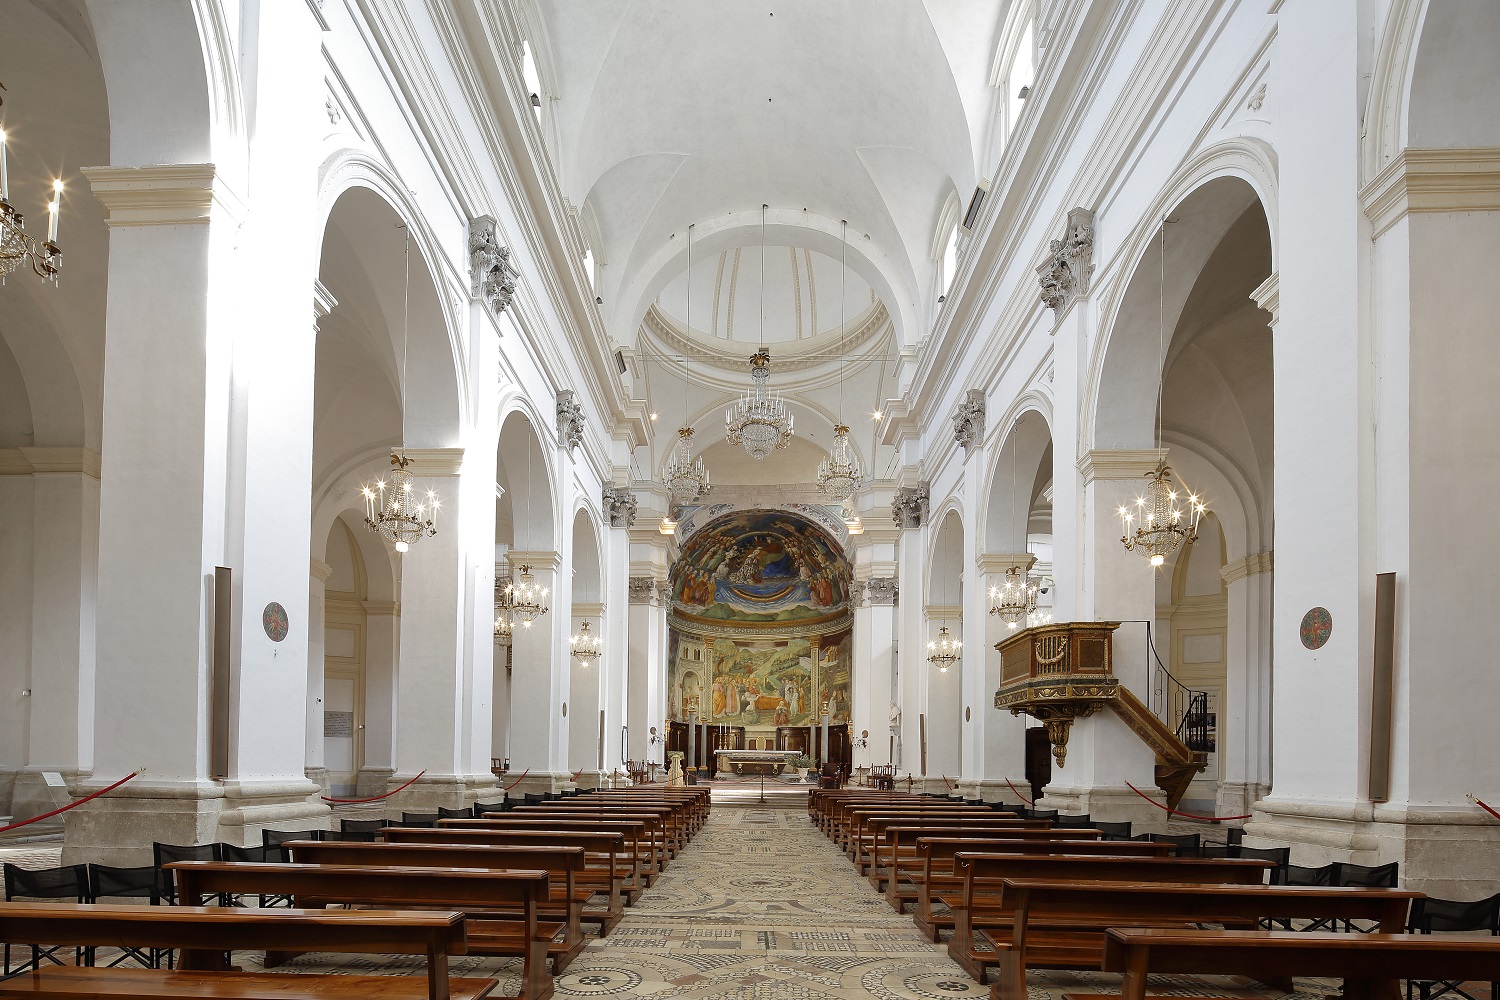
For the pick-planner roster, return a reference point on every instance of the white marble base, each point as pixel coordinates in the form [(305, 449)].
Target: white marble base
[(451, 791), (1108, 805)]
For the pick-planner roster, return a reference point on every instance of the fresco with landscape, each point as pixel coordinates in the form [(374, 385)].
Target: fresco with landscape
[(760, 567), (758, 683)]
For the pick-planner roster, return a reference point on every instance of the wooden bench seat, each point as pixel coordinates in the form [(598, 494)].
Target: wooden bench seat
[(980, 905), (872, 837), (205, 935), (601, 875), (852, 824), (1057, 924), (502, 906), (659, 843), (562, 864), (630, 861), (896, 848), (1371, 965)]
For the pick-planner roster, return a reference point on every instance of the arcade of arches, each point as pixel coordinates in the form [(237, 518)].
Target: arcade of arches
[(1023, 249)]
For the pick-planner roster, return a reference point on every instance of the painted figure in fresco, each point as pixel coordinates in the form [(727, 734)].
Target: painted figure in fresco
[(718, 696), (781, 717)]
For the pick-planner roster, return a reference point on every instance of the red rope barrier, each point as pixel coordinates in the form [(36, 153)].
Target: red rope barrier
[(946, 781), (376, 798), (513, 784), (1174, 812), (71, 805), (1481, 804), (1018, 794), (578, 773)]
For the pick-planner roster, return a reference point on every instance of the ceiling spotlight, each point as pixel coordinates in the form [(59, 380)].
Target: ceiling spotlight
[(598, 300)]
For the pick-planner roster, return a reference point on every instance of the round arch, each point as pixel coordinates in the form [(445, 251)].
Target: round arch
[(525, 462), (1026, 437)]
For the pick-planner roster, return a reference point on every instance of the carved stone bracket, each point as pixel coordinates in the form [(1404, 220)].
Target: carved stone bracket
[(882, 590), (491, 273), (642, 590), (1065, 273), (619, 504), (909, 506), (968, 422), (569, 419)]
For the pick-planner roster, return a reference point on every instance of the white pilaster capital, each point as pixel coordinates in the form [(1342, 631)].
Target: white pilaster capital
[(1122, 464), (1259, 562), (588, 609), (49, 461), (323, 302), (1432, 180), (996, 563), (435, 461), (319, 570), (1267, 295), (171, 194), (944, 612), (537, 559)]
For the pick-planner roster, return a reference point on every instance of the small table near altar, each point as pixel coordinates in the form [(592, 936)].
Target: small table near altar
[(767, 762)]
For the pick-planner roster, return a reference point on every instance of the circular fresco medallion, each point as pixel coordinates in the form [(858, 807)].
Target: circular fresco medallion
[(1317, 626), (274, 621)]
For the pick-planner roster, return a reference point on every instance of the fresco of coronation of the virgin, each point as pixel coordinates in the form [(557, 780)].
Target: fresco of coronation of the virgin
[(760, 566)]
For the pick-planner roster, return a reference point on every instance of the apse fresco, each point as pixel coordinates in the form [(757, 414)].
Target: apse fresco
[(752, 593), (760, 567)]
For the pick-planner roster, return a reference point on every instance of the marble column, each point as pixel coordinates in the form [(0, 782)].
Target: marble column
[(646, 653), (874, 653)]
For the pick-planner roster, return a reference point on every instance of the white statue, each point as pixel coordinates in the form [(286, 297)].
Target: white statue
[(674, 772), (895, 717)]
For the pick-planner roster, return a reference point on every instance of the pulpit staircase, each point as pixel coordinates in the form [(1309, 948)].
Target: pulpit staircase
[(1061, 672)]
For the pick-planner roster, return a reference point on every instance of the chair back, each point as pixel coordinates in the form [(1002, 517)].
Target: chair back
[(420, 819), (108, 882), (1298, 875), (66, 882), (1081, 822), (1367, 876), (271, 838), (1429, 915), (446, 813), (361, 825)]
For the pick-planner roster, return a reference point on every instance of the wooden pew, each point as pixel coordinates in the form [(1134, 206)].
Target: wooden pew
[(693, 803), (205, 935), (1370, 964), (981, 906), (515, 896), (936, 876), (851, 824), (631, 861), (562, 865), (601, 874), (664, 833), (1061, 925), (876, 849)]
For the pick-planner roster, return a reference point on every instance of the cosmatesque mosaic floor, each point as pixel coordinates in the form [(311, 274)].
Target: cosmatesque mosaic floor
[(760, 906)]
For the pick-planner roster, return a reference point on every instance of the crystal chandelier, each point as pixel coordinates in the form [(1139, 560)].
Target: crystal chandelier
[(1015, 599), (504, 627), (760, 421), (395, 512), (686, 478), (528, 599), (16, 245), (586, 645), (839, 474), (1165, 522), (943, 651)]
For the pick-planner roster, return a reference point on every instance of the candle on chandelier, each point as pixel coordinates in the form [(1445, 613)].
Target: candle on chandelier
[(54, 209), (4, 172)]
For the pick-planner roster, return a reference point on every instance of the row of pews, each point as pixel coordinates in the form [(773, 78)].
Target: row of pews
[(1012, 894), (520, 884)]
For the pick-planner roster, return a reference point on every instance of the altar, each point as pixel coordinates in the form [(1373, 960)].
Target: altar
[(766, 762)]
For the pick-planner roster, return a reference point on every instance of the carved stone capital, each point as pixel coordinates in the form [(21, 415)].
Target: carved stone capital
[(882, 591), (569, 419), (642, 590), (1065, 274), (909, 506), (619, 504), (492, 275), (968, 422)]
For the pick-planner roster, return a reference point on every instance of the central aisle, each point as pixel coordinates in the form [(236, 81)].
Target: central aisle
[(760, 905)]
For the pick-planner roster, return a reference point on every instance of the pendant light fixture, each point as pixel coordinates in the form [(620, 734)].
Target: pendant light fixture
[(586, 644), (395, 510), (17, 248), (528, 599), (686, 478), (1015, 599), (1165, 522), (944, 651), (839, 474), (760, 421)]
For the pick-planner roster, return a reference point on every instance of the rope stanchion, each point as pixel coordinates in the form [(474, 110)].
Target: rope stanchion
[(376, 798), (1174, 812), (513, 784), (72, 805), (1481, 804), (1018, 793)]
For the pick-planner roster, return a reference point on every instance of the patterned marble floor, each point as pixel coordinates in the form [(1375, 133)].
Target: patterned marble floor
[(762, 907)]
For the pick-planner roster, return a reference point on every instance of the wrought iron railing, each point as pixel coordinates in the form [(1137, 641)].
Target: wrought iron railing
[(1182, 708)]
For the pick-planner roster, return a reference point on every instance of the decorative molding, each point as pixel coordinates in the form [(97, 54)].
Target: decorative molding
[(909, 506), (1124, 464), (492, 276), (1432, 180), (588, 609), (1267, 295), (319, 570), (168, 195), (968, 422), (316, 7), (1069, 266), (996, 563), (569, 419), (545, 560), (435, 461), (323, 302), (782, 630), (1260, 562), (642, 590), (49, 461), (620, 505), (883, 591)]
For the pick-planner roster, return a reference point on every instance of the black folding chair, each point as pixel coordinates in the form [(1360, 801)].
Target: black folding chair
[(446, 813), (1429, 915), (273, 838), (1112, 831), (107, 882), (164, 853), (1187, 843), (68, 882), (1073, 822), (1299, 875), (426, 820), (481, 808), (273, 852), (1368, 877)]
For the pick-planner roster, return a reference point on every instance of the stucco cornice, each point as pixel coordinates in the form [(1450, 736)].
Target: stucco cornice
[(173, 194), (1251, 565), (1432, 180), (49, 461), (1122, 464)]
